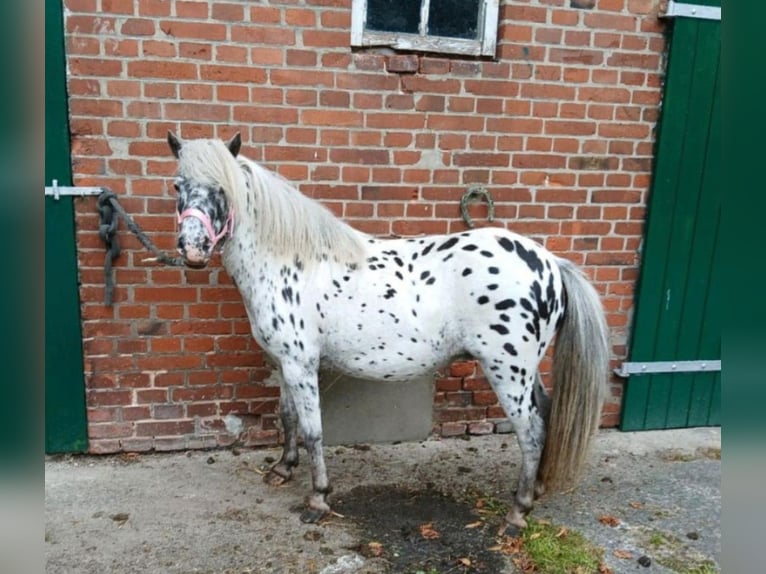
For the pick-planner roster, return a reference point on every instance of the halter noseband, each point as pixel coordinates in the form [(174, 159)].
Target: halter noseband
[(228, 227)]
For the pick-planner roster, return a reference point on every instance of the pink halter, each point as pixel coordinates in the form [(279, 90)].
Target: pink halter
[(228, 227)]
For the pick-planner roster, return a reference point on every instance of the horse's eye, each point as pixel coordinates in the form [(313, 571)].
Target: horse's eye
[(175, 186)]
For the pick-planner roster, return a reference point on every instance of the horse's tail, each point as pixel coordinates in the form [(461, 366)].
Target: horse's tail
[(580, 370)]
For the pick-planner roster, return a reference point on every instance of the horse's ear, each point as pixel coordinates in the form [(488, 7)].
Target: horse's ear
[(234, 144), (175, 143)]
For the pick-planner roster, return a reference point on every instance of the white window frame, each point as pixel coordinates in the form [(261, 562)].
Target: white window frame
[(485, 45)]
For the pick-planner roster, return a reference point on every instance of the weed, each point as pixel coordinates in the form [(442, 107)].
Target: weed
[(657, 539), (707, 567), (713, 453), (672, 553), (488, 504), (672, 455), (556, 550)]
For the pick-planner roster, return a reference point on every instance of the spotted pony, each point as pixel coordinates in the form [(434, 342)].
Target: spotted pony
[(318, 292)]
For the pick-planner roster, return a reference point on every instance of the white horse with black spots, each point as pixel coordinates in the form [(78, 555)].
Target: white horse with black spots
[(318, 291)]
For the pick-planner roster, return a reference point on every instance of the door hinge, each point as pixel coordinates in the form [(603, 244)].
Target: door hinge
[(672, 9), (57, 190), (657, 367)]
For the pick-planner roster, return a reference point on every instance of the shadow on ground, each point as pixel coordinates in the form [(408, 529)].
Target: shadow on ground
[(420, 530)]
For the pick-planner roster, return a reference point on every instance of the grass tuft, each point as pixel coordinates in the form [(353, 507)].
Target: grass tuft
[(556, 550)]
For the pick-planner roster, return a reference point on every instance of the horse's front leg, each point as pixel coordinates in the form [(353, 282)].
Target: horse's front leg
[(282, 471), (303, 387)]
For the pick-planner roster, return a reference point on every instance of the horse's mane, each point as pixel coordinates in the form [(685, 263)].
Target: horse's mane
[(288, 222)]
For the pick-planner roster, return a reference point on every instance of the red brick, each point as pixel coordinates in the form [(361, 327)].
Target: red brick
[(481, 159), (448, 429), (195, 51), (325, 38), (102, 415), (229, 12), (627, 60), (116, 6), (238, 74), (601, 21), (370, 62), (403, 63), (537, 161), (359, 81), (138, 27), (170, 428), (109, 430), (520, 13), (286, 77), (108, 398), (164, 70), (481, 428), (484, 398)]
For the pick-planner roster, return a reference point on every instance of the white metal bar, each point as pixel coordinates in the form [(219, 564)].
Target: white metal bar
[(684, 10), (57, 190), (656, 367)]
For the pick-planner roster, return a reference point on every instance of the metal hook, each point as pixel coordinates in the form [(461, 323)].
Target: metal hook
[(476, 191)]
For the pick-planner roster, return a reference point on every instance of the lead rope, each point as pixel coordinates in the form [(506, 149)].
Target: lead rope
[(110, 211)]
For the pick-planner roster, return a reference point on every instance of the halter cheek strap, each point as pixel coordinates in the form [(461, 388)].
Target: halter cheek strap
[(228, 227)]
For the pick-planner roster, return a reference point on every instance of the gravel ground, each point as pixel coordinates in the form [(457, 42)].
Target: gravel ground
[(651, 500)]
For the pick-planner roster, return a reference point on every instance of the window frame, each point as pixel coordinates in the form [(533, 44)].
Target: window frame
[(485, 45)]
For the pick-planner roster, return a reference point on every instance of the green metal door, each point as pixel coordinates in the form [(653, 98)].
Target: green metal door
[(677, 312), (65, 415)]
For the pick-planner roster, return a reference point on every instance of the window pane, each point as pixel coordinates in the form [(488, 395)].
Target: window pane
[(393, 15), (454, 19)]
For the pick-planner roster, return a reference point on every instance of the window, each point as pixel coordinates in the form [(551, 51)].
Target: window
[(448, 26)]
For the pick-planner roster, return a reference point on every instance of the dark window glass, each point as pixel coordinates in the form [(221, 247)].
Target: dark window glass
[(454, 19), (393, 15)]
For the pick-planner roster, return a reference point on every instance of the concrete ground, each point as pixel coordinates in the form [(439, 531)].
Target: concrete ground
[(651, 500)]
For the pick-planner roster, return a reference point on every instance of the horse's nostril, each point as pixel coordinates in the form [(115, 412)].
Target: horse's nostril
[(180, 244)]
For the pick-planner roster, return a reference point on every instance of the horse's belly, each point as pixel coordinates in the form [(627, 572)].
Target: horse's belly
[(393, 356), (377, 369)]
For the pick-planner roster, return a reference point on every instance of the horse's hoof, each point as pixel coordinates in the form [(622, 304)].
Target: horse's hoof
[(508, 529), (277, 477), (313, 515), (515, 519)]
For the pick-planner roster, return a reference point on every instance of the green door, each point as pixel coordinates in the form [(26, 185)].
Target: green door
[(677, 312), (65, 417)]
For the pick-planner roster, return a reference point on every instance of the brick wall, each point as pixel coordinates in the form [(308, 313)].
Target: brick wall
[(559, 128)]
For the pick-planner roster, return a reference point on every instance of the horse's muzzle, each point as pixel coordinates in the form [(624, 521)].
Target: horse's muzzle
[(196, 264), (194, 258)]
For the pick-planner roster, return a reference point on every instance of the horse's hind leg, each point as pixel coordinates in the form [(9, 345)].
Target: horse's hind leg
[(516, 398), (282, 471), (530, 432)]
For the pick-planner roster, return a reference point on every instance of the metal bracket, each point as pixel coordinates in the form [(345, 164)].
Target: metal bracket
[(57, 190), (656, 367), (683, 10)]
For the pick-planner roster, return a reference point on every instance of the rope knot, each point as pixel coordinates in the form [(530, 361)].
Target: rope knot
[(110, 211)]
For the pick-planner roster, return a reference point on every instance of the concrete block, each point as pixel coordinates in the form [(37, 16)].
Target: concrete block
[(360, 411)]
